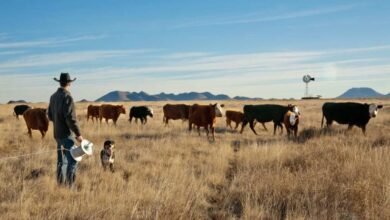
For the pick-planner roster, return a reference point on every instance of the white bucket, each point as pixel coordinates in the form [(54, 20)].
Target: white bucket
[(78, 152)]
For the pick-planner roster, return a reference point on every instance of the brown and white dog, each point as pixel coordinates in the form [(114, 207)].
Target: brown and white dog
[(107, 155), (291, 121)]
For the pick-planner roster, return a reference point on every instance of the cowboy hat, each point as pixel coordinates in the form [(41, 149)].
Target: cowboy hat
[(65, 78)]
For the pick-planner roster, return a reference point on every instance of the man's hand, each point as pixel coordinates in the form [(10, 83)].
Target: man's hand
[(79, 138)]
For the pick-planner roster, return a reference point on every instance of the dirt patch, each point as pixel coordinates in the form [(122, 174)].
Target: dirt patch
[(223, 203)]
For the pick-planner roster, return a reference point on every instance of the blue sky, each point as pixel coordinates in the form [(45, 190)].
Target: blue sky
[(249, 48)]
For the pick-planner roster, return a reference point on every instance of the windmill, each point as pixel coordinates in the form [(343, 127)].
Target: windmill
[(306, 80)]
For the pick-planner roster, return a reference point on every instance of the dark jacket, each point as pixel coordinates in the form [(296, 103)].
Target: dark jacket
[(63, 114)]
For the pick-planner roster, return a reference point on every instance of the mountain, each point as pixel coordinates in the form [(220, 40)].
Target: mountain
[(83, 100), (15, 102), (363, 92), (243, 98), (116, 96)]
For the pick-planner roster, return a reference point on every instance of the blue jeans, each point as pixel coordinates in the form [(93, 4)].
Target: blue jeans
[(66, 165)]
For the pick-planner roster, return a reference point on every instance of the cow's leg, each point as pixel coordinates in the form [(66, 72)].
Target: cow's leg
[(198, 128), (207, 131), (265, 128), (329, 123), (244, 123), (281, 128), (349, 127), (130, 119), (296, 132), (107, 121), (29, 132), (212, 132), (112, 167), (288, 132), (146, 120), (114, 120), (237, 124), (364, 130), (229, 123), (189, 126), (275, 126), (42, 133), (252, 126)]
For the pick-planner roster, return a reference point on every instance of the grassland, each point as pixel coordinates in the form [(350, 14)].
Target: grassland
[(167, 173)]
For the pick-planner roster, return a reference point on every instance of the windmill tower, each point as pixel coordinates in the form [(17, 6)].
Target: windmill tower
[(306, 79)]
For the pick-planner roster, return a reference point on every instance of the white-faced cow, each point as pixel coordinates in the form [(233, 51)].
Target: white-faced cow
[(266, 113), (205, 116), (350, 113)]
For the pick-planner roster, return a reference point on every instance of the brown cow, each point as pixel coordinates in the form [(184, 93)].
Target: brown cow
[(36, 119), (111, 112), (237, 117), (204, 116), (234, 116), (93, 112), (174, 112), (291, 121)]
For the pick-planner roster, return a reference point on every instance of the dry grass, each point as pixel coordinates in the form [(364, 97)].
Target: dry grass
[(166, 173)]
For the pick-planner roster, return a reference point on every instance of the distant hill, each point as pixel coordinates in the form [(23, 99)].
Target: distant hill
[(363, 92), (17, 101), (83, 100), (116, 96)]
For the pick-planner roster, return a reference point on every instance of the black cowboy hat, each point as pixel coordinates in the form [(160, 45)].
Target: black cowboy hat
[(64, 77)]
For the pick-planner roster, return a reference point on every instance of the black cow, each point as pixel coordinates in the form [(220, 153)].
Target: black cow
[(350, 113), (140, 112), (266, 113), (20, 109)]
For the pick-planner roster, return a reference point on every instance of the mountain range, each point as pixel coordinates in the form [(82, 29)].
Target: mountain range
[(187, 96)]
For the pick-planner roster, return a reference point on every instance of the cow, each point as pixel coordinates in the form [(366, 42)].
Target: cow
[(234, 116), (111, 112), (20, 109), (174, 112), (36, 119), (291, 121), (350, 113), (140, 112), (205, 116), (237, 117), (93, 112), (266, 113)]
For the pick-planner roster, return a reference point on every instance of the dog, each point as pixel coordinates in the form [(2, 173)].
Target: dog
[(107, 155)]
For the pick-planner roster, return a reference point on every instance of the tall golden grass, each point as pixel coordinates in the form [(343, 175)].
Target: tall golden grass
[(167, 173)]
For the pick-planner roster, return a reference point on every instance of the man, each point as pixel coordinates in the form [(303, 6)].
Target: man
[(62, 112)]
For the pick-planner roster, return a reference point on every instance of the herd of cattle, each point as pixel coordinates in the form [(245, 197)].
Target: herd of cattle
[(350, 113)]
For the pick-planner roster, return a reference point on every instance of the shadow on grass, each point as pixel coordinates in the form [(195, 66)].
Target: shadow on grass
[(144, 136)]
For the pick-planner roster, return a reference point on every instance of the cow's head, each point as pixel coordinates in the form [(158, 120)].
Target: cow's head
[(294, 109), (219, 112), (150, 112), (373, 110), (121, 109)]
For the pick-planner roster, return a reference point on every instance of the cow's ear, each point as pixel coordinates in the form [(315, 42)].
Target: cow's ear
[(380, 106)]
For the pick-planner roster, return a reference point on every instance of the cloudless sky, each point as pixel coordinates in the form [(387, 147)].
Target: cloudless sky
[(248, 48)]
